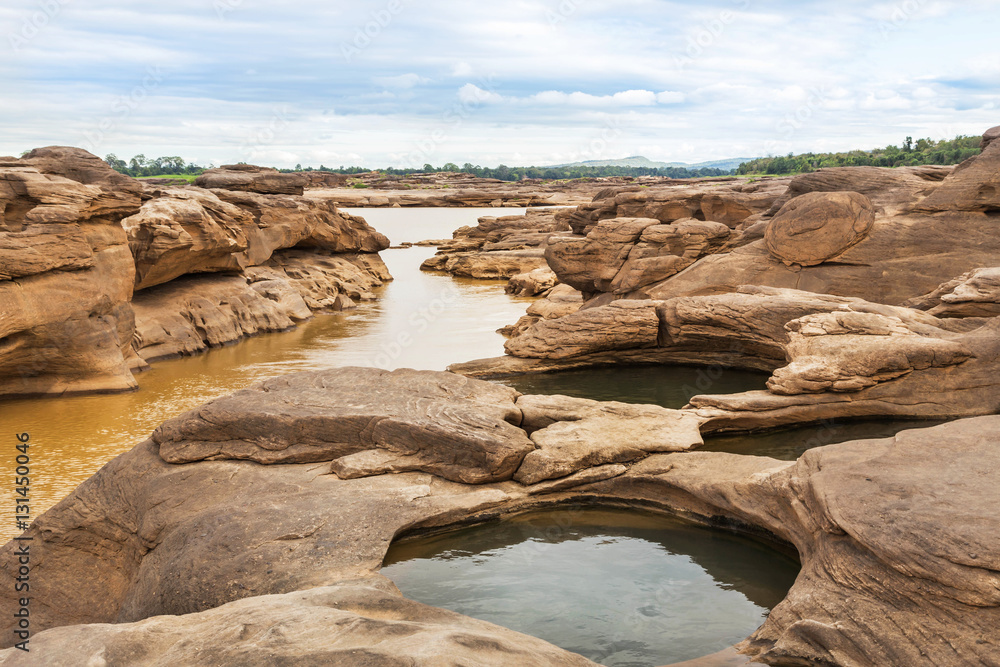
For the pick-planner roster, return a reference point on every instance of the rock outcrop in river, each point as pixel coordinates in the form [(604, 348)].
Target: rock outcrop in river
[(99, 273), (857, 243), (274, 507), (66, 277)]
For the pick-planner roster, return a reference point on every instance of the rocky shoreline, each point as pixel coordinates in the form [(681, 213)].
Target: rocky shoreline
[(251, 530), (101, 274), (275, 506)]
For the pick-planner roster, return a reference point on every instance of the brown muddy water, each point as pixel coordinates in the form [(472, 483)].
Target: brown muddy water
[(421, 320)]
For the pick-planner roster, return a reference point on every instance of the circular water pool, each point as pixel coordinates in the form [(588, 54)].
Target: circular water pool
[(622, 588)]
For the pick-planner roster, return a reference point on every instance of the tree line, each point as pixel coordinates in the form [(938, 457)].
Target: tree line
[(141, 166), (910, 153), (505, 173)]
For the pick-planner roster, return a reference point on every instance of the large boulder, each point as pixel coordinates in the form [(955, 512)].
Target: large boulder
[(819, 226)]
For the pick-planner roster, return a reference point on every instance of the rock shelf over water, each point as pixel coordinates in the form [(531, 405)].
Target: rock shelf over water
[(100, 273), (197, 563)]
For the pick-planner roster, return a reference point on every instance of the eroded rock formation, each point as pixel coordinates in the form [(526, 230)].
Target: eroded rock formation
[(79, 242), (66, 279), (896, 536), (251, 178)]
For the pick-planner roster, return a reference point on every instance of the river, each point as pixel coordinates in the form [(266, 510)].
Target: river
[(421, 320)]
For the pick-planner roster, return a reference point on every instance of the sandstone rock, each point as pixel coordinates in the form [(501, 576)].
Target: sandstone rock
[(560, 301), (65, 282), (973, 186), (190, 315), (320, 278), (819, 226), (81, 166), (896, 537), (939, 374), (891, 190), (990, 136), (487, 265), (532, 283), (850, 351), (457, 428), (353, 624), (497, 248), (620, 325), (286, 222), (187, 230), (574, 434), (973, 294), (728, 201), (251, 178), (591, 263), (665, 250)]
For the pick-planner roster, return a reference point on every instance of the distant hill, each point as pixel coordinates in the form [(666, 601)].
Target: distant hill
[(640, 161)]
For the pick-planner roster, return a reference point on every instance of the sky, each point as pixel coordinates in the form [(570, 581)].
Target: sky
[(521, 82)]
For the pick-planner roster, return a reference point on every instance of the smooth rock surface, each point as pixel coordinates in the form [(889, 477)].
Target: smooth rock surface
[(457, 428), (819, 226)]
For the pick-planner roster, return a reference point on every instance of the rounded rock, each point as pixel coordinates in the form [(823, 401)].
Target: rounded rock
[(819, 226)]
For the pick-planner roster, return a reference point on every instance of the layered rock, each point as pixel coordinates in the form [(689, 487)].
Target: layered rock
[(498, 248), (560, 301), (896, 536), (66, 278), (191, 230), (625, 254), (460, 429), (532, 283), (927, 229), (194, 313), (973, 294), (732, 202), (81, 166), (251, 178), (885, 235)]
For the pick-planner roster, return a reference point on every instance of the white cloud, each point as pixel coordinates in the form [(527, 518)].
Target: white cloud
[(461, 70)]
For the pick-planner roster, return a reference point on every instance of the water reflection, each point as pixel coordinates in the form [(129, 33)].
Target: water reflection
[(668, 386), (623, 588), (422, 320), (790, 444)]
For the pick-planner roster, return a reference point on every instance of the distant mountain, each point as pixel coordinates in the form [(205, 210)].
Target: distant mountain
[(640, 161)]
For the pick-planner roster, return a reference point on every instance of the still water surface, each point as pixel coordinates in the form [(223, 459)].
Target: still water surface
[(625, 589), (421, 320), (673, 386)]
